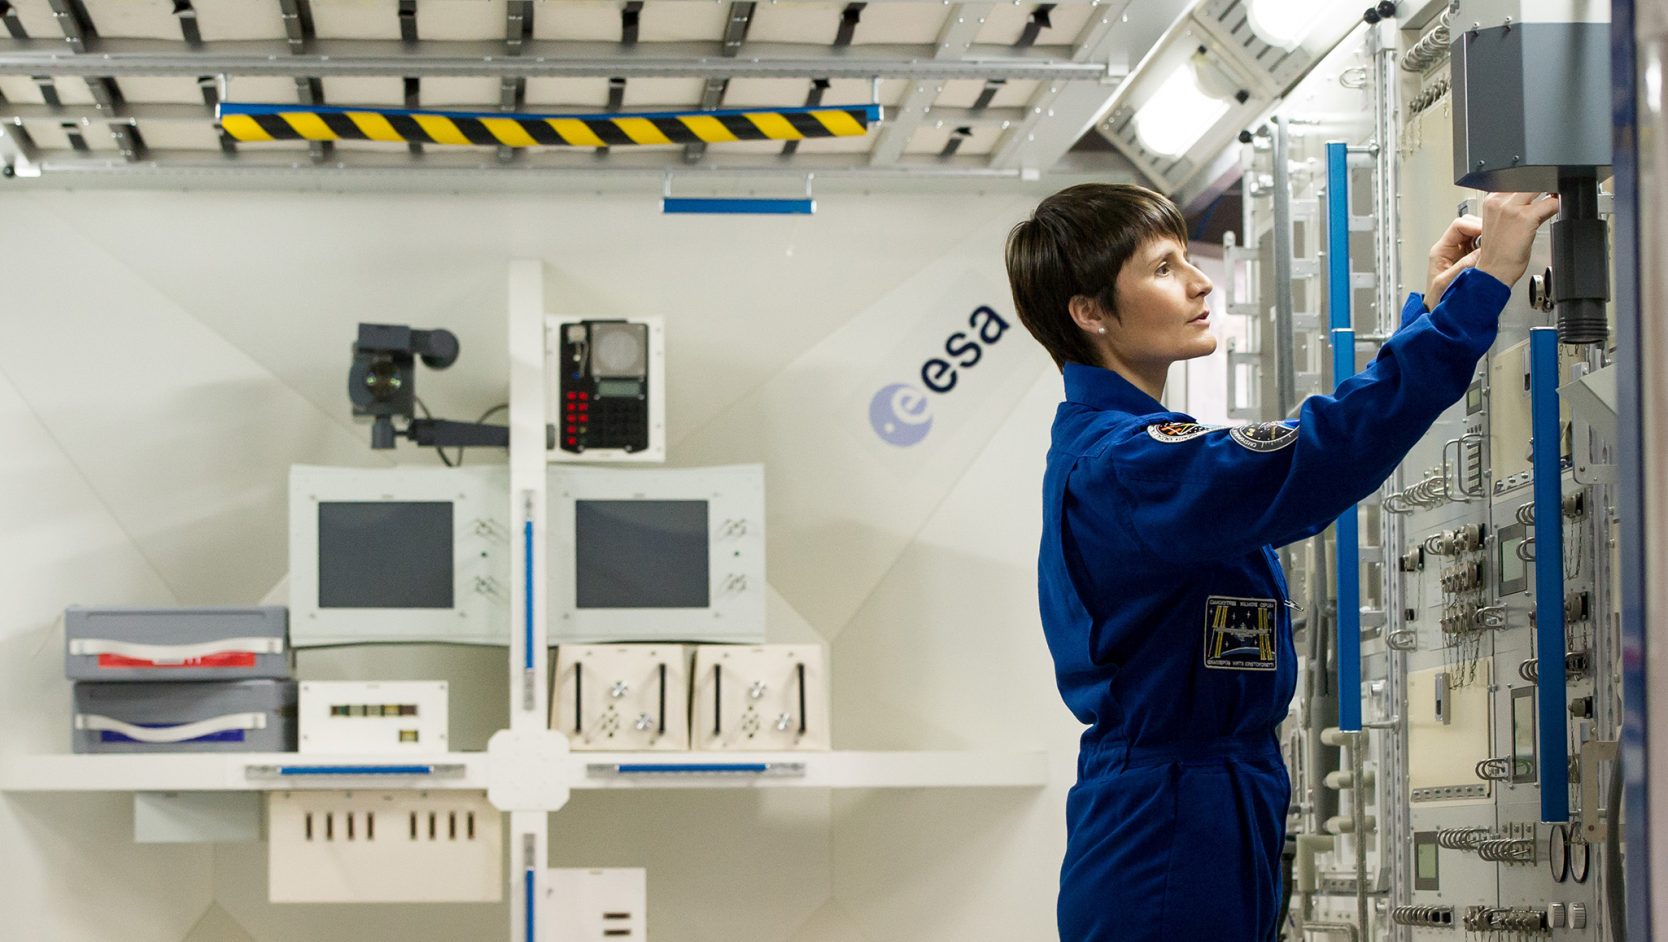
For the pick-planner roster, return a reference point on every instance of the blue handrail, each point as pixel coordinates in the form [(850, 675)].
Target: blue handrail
[(356, 770), (737, 206), (1546, 438), (1348, 532)]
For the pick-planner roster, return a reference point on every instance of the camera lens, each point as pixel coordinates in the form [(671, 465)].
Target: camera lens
[(383, 380)]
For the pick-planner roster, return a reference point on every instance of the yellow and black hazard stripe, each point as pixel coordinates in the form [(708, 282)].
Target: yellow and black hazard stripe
[(492, 129)]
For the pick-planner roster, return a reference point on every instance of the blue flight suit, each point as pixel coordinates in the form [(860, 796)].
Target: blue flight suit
[(1166, 612)]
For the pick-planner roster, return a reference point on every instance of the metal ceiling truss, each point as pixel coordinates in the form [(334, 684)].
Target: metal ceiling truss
[(1061, 112), (1076, 86), (955, 41), (117, 58)]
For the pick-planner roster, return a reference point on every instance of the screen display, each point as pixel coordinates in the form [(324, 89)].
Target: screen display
[(1425, 864), (385, 554), (1511, 564), (641, 554), (1523, 734), (618, 388)]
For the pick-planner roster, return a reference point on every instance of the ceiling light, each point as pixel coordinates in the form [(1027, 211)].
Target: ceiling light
[(1178, 114), (1281, 23)]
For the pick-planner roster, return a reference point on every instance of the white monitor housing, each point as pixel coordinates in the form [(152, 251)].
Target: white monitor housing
[(657, 554), (399, 555)]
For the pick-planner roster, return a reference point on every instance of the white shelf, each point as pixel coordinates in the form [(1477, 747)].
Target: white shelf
[(230, 771), (179, 772), (818, 770)]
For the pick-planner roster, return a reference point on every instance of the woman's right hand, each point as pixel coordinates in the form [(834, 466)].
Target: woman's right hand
[(1509, 224)]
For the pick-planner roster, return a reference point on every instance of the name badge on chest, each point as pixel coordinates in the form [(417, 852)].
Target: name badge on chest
[(1239, 633)]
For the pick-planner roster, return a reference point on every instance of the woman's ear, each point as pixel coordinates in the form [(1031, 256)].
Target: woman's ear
[(1086, 314)]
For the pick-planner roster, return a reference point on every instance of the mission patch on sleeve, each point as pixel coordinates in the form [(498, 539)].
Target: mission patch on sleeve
[(1265, 436), (1174, 432)]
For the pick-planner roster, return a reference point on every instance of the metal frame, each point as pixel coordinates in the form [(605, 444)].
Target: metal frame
[(562, 59), (1077, 79), (1637, 29)]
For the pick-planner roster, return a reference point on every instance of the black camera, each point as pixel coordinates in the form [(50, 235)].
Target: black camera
[(382, 382)]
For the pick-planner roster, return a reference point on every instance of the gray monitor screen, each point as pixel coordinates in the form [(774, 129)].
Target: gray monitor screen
[(641, 553), (385, 554)]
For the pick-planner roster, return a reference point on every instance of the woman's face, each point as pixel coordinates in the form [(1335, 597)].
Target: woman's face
[(1162, 313)]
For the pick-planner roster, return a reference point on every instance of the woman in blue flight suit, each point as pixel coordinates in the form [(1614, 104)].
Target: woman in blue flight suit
[(1162, 600)]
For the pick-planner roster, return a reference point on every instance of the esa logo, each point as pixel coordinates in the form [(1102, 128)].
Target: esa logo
[(901, 414)]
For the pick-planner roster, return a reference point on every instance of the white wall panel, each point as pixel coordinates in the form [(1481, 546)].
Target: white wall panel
[(168, 355)]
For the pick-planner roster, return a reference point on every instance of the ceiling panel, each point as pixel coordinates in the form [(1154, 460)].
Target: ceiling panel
[(1006, 23), (901, 23), (382, 91), (460, 92), (262, 89), (662, 93), (161, 89), (577, 20), (559, 94), (238, 19), (179, 135), (683, 22), (20, 90), (461, 19), (37, 18), (73, 91), (962, 93), (816, 23), (133, 19), (359, 19)]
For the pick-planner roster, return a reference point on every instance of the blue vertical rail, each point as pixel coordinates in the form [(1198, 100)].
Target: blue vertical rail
[(1552, 720), (1348, 533), (527, 887), (527, 594)]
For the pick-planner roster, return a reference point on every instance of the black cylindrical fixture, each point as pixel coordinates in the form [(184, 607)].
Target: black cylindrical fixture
[(1580, 261)]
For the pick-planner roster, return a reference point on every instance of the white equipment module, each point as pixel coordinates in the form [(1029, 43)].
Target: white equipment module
[(399, 554), (622, 697), (606, 387), (384, 847), (585, 905), (657, 554), (759, 699), (350, 717)]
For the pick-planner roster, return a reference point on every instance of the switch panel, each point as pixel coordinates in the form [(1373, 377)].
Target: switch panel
[(762, 698), (352, 717), (384, 847), (622, 697), (586, 905), (606, 390)]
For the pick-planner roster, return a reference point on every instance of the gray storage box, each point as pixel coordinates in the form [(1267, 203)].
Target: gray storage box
[(230, 716), (174, 644)]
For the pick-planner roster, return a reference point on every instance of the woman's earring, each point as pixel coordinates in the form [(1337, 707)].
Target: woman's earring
[(1103, 330)]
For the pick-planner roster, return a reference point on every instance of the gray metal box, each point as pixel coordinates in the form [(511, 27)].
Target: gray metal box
[(1530, 99), (175, 644), (231, 716)]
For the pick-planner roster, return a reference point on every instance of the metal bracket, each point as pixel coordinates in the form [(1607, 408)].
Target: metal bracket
[(1595, 827)]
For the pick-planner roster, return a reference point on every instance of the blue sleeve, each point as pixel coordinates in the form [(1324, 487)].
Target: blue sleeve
[(1189, 495)]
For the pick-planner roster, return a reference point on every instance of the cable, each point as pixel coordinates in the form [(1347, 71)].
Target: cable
[(437, 449), (441, 451), (484, 416)]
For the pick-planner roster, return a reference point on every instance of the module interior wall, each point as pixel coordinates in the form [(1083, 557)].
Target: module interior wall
[(169, 355)]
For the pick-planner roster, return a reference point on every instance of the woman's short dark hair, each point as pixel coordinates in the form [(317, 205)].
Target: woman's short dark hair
[(1075, 243)]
